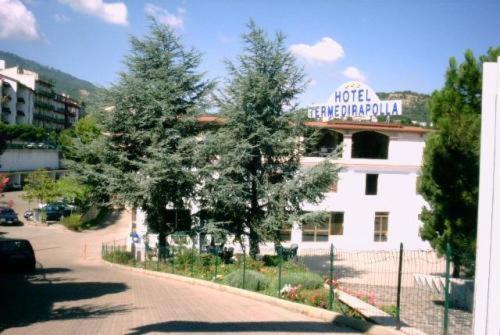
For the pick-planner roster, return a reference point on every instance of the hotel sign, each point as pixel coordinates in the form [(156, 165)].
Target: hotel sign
[(355, 100)]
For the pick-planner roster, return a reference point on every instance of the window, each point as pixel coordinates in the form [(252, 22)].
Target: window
[(418, 184), (371, 184), (322, 142), (337, 223), (334, 225), (381, 226), (285, 235), (318, 233), (370, 144)]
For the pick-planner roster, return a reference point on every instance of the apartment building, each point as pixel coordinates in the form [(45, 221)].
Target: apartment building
[(28, 98)]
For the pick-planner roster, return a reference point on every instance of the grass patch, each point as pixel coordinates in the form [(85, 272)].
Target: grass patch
[(254, 281), (306, 279), (74, 221)]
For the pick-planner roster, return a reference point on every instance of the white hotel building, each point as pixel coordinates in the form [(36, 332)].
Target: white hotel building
[(375, 204)]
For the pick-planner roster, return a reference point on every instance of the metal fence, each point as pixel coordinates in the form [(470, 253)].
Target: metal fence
[(413, 287)]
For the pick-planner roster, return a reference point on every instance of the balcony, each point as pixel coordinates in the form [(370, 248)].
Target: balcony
[(6, 84), (6, 110), (20, 113), (20, 100), (44, 105)]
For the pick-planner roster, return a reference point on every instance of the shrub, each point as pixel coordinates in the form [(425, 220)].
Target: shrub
[(250, 264), (72, 222), (119, 256), (270, 260), (317, 297), (254, 281), (307, 280)]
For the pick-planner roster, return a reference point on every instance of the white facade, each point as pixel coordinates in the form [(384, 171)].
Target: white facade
[(396, 197), (487, 283), (17, 102), (28, 99)]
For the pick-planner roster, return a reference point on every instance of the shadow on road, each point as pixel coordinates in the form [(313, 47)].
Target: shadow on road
[(236, 327), (27, 299)]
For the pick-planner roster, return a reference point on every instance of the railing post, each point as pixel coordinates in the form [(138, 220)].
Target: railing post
[(447, 289), (216, 264), (244, 268), (280, 261), (330, 293), (398, 298), (158, 253), (173, 259), (192, 260)]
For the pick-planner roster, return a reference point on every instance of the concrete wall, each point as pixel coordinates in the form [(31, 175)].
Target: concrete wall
[(13, 160)]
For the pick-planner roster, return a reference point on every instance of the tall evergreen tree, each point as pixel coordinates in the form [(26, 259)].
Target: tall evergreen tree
[(254, 185), (450, 173), (149, 154)]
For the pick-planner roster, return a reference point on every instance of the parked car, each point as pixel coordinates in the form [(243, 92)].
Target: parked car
[(56, 210), (16, 254), (8, 216)]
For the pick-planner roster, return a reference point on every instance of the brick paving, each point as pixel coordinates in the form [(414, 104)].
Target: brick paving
[(73, 295)]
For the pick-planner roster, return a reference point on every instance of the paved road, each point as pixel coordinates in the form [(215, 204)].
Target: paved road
[(72, 295)]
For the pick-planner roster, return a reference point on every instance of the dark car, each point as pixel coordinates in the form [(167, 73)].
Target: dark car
[(55, 211), (8, 216), (16, 254)]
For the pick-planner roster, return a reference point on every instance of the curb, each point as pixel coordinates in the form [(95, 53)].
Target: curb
[(364, 326)]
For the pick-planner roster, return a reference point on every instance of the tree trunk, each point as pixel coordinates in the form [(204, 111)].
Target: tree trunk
[(254, 244), (456, 268)]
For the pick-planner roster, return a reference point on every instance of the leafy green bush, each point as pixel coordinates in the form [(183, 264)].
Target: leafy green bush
[(390, 309), (72, 222), (271, 260), (254, 281), (251, 264), (307, 280), (119, 256)]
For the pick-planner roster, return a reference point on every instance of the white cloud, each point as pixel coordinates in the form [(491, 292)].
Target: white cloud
[(61, 18), (16, 21), (325, 51), (164, 16), (354, 73), (114, 12)]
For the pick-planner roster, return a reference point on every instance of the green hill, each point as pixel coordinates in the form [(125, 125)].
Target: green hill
[(415, 105), (77, 88)]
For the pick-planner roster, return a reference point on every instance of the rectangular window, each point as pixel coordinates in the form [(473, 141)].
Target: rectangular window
[(418, 183), (337, 223), (381, 226), (318, 233), (371, 184), (285, 235)]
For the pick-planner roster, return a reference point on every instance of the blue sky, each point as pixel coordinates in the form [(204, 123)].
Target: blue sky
[(391, 45)]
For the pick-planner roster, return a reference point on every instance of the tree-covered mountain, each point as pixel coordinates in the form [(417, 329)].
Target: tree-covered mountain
[(415, 105), (64, 83)]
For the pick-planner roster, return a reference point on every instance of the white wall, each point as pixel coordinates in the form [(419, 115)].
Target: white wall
[(487, 283), (28, 159), (396, 194)]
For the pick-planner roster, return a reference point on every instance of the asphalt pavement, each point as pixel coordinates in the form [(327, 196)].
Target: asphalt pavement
[(73, 292)]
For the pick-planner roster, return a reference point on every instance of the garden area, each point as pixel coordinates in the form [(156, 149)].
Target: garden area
[(284, 277)]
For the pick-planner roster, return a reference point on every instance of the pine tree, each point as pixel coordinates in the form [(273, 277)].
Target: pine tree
[(151, 125), (450, 173), (254, 185)]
